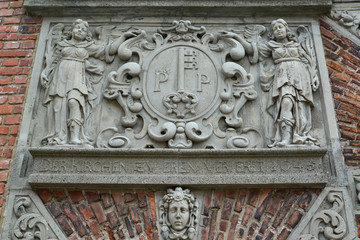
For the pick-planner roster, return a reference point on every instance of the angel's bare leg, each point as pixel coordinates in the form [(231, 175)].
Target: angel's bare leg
[(286, 116), (74, 121)]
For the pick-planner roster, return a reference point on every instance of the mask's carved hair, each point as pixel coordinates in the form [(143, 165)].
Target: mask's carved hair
[(178, 195)]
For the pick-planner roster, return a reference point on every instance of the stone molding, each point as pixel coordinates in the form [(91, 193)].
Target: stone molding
[(176, 8), (166, 166)]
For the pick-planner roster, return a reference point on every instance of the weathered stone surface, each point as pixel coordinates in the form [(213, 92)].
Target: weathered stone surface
[(177, 167), (188, 7), (71, 166)]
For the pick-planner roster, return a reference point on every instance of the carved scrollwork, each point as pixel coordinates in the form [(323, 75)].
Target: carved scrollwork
[(176, 81), (197, 134), (28, 225), (240, 85), (115, 140), (127, 95), (348, 20), (237, 52), (199, 80), (124, 51), (328, 223), (165, 133), (183, 30)]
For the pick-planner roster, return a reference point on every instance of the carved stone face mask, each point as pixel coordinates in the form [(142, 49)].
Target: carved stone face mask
[(179, 214)]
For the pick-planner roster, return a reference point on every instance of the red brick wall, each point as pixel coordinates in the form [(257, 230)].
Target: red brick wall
[(18, 36), (248, 214), (343, 61), (262, 213)]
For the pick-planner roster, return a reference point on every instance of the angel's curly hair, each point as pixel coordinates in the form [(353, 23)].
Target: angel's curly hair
[(289, 35), (80, 21)]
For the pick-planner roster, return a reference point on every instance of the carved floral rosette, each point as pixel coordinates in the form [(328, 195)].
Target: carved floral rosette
[(180, 87)]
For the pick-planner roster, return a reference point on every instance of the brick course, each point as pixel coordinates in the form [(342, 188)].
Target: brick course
[(259, 214), (264, 213), (18, 40), (98, 215), (342, 57)]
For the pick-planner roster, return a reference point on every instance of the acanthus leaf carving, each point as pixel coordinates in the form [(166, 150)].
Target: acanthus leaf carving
[(348, 20), (120, 88), (28, 225), (182, 30), (242, 88), (328, 223)]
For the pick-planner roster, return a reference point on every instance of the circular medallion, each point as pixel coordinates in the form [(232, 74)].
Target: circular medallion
[(181, 83)]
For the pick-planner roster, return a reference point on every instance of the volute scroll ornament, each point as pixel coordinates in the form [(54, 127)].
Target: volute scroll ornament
[(29, 225), (347, 19), (183, 90), (330, 221)]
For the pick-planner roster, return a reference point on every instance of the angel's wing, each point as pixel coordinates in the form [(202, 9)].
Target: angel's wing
[(306, 43), (55, 35), (253, 33)]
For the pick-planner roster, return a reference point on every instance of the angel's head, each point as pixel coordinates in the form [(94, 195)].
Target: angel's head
[(279, 30), (80, 31)]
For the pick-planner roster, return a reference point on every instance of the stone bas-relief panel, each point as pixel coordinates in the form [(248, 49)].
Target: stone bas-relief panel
[(179, 86), (178, 104)]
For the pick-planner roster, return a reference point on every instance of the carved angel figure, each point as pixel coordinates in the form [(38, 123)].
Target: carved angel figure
[(291, 79), (178, 212), (68, 78)]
